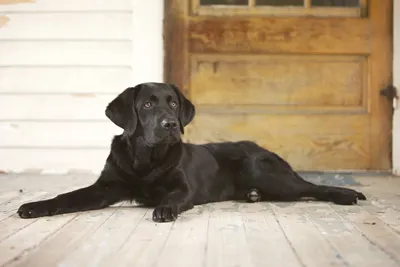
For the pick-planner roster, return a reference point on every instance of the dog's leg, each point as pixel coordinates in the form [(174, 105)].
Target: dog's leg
[(338, 195), (97, 196), (172, 205), (276, 180)]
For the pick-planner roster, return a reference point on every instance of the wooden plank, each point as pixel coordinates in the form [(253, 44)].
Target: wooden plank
[(52, 183), (52, 160), (226, 237), (58, 134), (187, 241), (98, 246), (142, 244), (10, 207), (67, 229), (310, 246), (323, 142), (12, 225), (71, 107), (63, 79), (384, 203), (13, 248), (91, 243), (113, 53), (376, 231), (61, 5), (279, 35), (352, 245), (67, 26), (278, 80), (6, 196), (41, 188), (264, 235)]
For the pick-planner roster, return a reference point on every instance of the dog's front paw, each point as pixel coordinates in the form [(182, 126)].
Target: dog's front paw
[(35, 209), (165, 213)]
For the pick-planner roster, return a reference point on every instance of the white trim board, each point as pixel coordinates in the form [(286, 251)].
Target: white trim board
[(147, 41)]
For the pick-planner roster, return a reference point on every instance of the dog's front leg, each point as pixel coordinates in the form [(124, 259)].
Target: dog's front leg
[(173, 203), (99, 195)]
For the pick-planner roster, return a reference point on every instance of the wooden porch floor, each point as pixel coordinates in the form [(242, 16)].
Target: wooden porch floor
[(222, 234)]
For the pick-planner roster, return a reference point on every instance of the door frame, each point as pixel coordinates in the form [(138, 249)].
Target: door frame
[(175, 43), (396, 83)]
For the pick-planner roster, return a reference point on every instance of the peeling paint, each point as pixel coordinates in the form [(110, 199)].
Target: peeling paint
[(3, 20), (14, 2)]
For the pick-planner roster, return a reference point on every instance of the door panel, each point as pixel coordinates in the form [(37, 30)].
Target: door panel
[(278, 80), (279, 35), (300, 80), (304, 140)]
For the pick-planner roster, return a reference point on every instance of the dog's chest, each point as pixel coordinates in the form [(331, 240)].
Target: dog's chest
[(149, 194)]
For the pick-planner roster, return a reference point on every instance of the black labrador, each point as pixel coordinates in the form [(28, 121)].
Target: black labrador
[(149, 163)]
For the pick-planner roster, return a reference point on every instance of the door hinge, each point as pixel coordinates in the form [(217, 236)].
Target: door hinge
[(390, 92)]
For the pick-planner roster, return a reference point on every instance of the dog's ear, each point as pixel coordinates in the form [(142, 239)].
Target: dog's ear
[(186, 109), (121, 111)]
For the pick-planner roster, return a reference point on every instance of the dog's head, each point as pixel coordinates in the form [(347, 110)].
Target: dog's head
[(158, 111)]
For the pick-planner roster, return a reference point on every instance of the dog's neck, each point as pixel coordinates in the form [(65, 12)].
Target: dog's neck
[(146, 157), (137, 159)]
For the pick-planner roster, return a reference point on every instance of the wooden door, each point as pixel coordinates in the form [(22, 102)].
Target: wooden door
[(301, 78)]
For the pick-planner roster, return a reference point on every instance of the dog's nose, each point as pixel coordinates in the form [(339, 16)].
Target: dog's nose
[(169, 124)]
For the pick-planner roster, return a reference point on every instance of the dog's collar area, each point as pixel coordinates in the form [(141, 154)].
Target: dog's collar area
[(126, 164)]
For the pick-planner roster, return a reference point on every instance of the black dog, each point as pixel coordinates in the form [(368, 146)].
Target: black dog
[(149, 164)]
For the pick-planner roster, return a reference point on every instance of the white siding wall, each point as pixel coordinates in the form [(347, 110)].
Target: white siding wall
[(61, 62)]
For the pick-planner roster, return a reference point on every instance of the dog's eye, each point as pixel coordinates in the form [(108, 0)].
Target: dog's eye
[(174, 104), (147, 105)]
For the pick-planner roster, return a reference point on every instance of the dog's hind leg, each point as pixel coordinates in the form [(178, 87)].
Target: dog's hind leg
[(289, 188), (274, 179), (338, 195)]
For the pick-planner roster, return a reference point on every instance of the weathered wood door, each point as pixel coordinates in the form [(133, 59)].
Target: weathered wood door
[(301, 78)]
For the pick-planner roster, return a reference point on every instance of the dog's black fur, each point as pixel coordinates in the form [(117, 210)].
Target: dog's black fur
[(150, 164)]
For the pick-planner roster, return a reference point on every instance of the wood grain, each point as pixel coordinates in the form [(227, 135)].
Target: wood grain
[(308, 142), (304, 237), (281, 80), (176, 64), (278, 80), (279, 35), (301, 234), (344, 236), (381, 16)]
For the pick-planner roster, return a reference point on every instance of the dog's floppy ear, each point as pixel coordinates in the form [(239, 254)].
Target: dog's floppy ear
[(186, 109), (121, 110)]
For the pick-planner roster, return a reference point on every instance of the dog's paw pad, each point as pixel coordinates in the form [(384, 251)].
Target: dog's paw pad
[(165, 213), (33, 210)]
